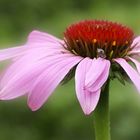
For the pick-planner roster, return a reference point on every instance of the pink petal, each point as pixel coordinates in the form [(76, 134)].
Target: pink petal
[(136, 41), (44, 40), (49, 80), (98, 74), (12, 52), (93, 74), (137, 63), (41, 37), (91, 100), (31, 57), (36, 39), (136, 46), (87, 99), (134, 52), (16, 52), (131, 72), (20, 83), (17, 82)]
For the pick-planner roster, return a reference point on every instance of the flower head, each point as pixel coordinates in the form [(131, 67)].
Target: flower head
[(93, 51)]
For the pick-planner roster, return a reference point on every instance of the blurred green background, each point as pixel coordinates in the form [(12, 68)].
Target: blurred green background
[(61, 118)]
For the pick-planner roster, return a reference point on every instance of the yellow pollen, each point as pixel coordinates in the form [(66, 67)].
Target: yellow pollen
[(126, 42), (94, 40), (114, 43)]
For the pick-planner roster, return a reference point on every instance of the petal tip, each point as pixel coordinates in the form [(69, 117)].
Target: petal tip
[(33, 107), (34, 32), (88, 112)]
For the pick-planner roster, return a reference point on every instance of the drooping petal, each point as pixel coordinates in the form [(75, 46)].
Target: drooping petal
[(20, 83), (91, 100), (136, 46), (15, 52), (32, 56), (38, 41), (12, 52), (87, 99), (137, 63), (131, 72), (93, 75), (98, 74), (42, 37), (49, 80), (136, 41), (20, 64), (20, 74), (25, 72)]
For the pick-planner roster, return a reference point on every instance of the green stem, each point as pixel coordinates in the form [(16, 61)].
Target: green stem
[(102, 117)]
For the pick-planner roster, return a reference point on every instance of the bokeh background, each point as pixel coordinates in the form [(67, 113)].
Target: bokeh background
[(61, 118)]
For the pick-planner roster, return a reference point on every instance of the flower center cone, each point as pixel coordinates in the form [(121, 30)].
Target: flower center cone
[(97, 38)]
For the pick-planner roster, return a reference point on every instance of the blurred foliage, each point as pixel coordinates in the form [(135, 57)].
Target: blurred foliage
[(62, 118)]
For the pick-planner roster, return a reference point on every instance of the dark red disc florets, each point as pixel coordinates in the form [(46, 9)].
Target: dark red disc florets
[(93, 38)]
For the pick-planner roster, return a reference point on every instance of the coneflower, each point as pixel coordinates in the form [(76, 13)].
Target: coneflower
[(94, 51)]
